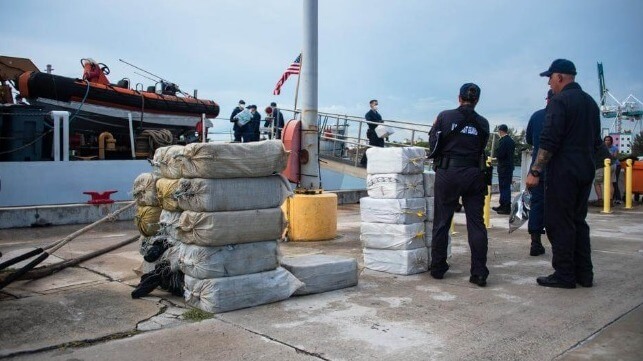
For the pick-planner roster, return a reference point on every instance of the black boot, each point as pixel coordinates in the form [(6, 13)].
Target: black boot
[(536, 246), (504, 209)]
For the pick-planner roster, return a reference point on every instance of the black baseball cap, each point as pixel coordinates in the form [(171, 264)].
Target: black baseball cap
[(470, 92), (562, 66), (242, 102), (503, 128)]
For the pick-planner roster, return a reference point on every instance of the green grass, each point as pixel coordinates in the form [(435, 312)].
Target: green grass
[(196, 315)]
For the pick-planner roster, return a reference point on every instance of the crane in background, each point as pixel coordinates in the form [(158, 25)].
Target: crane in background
[(629, 109)]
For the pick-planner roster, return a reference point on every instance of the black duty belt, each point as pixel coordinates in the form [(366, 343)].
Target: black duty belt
[(463, 162)]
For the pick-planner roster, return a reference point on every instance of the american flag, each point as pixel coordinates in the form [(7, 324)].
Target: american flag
[(292, 69)]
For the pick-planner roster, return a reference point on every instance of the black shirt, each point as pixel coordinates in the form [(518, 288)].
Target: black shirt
[(467, 144), (571, 131)]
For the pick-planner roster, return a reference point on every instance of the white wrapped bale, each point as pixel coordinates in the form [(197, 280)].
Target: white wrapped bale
[(388, 186), (169, 222), (168, 159), (393, 211), (165, 189), (232, 293), (429, 183), (404, 160), (223, 228), (226, 261), (234, 160), (393, 236), (321, 273), (233, 194), (405, 262), (430, 208), (144, 190)]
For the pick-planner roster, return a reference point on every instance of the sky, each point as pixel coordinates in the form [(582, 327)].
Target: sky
[(411, 55)]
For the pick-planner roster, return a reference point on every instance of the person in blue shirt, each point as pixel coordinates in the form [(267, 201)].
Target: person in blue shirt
[(536, 225), (505, 156)]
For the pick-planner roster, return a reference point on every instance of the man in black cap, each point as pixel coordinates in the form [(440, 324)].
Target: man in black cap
[(505, 156), (236, 128), (458, 174), (568, 142), (536, 225)]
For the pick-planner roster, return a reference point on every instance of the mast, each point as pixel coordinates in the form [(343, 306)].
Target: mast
[(310, 132)]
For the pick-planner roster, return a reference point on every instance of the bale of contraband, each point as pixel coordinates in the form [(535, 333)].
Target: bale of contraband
[(234, 160), (232, 293), (321, 273)]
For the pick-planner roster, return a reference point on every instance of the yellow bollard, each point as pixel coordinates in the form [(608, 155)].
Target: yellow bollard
[(628, 184), (486, 211), (453, 226), (607, 186)]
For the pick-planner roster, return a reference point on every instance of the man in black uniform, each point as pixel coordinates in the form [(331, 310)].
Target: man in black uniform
[(568, 142), (236, 128), (505, 156), (458, 174), (373, 140)]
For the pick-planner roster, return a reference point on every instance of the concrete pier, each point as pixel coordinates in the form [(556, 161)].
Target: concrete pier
[(85, 312)]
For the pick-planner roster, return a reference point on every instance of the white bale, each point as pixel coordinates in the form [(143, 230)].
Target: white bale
[(223, 228), (429, 183), (233, 194), (225, 261), (144, 190), (404, 160), (402, 262), (430, 208), (394, 211), (169, 161), (232, 293), (321, 273), (234, 160), (393, 185), (392, 236), (169, 222)]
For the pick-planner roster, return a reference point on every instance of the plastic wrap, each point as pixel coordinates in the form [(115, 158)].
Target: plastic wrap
[(234, 160), (392, 185), (394, 211), (166, 188), (168, 223), (430, 208), (225, 261), (402, 262), (429, 183), (404, 160), (321, 273), (393, 236), (147, 220), (232, 293), (169, 161), (233, 194), (223, 228), (144, 190)]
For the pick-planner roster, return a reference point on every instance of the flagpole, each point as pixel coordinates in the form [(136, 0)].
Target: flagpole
[(301, 60)]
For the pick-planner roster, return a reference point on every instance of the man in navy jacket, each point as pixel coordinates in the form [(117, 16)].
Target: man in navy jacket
[(505, 156)]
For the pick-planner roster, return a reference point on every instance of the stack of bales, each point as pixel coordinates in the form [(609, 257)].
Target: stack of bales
[(228, 231), (429, 186), (393, 229)]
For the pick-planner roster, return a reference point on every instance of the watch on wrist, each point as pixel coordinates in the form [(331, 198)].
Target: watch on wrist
[(534, 172)]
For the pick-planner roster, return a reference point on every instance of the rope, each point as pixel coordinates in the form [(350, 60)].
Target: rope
[(81, 103), (28, 144), (159, 137)]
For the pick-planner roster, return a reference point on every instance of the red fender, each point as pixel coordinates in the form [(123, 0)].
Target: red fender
[(291, 136)]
